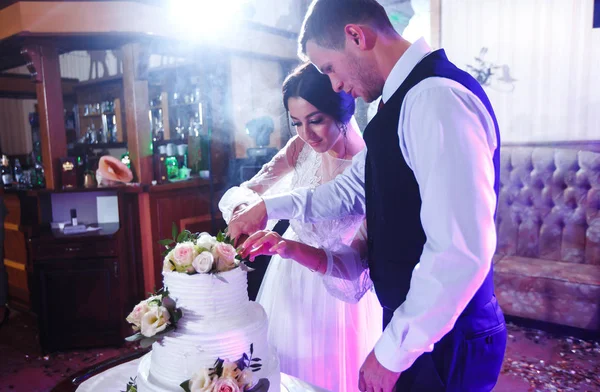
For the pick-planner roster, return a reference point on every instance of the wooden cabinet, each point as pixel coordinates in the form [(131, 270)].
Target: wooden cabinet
[(78, 286), (79, 303), (19, 225)]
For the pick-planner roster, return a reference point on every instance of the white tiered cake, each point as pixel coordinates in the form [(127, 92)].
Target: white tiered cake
[(219, 321)]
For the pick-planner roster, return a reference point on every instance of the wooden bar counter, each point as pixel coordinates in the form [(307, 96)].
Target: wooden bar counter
[(82, 286)]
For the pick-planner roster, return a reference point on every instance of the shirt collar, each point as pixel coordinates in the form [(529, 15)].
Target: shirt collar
[(405, 64)]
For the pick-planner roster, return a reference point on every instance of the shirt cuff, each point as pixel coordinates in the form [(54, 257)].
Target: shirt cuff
[(279, 206), (390, 355)]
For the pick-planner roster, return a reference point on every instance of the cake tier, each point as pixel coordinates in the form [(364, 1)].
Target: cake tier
[(208, 296), (198, 344), (270, 371)]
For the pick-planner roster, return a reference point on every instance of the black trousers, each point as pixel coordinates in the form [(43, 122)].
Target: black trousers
[(467, 359)]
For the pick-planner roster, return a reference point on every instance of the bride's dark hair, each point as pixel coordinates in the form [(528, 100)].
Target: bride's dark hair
[(308, 83)]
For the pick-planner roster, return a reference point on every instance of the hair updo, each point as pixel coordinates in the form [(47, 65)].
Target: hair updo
[(308, 83)]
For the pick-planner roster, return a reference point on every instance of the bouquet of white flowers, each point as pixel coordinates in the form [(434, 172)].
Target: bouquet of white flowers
[(153, 318), (200, 253), (227, 376)]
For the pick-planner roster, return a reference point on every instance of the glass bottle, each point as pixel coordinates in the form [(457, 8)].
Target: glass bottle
[(18, 171)]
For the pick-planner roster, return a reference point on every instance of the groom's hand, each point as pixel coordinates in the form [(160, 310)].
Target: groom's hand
[(247, 220), (373, 377)]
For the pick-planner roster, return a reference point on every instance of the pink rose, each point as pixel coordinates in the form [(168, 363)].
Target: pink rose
[(183, 255), (135, 317), (226, 385), (225, 256)]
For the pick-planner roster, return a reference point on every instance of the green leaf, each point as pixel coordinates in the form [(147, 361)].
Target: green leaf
[(177, 315), (185, 385), (154, 302), (166, 242), (135, 337), (169, 303), (174, 231), (256, 359), (261, 386), (220, 237), (222, 279), (181, 237), (251, 349), (244, 267), (255, 366), (146, 342)]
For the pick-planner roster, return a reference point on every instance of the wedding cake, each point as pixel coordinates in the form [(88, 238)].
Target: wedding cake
[(218, 322)]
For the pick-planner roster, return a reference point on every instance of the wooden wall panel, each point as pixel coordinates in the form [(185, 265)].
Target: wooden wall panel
[(176, 206)]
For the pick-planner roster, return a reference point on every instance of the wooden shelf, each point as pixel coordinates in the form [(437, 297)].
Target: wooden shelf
[(100, 145), (191, 183), (127, 188), (164, 142), (21, 86), (97, 115), (92, 82), (183, 105)]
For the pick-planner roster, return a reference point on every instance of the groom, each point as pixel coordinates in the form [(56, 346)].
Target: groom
[(427, 183)]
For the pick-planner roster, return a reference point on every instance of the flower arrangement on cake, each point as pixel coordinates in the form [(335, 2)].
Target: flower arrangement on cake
[(153, 318), (227, 376), (200, 253), (131, 385)]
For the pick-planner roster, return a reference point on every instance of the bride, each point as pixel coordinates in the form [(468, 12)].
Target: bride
[(323, 317)]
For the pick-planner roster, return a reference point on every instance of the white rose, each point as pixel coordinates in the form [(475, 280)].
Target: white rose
[(183, 255), (246, 378), (167, 265), (225, 255), (203, 263), (154, 321), (206, 241), (230, 370), (135, 317), (202, 382)]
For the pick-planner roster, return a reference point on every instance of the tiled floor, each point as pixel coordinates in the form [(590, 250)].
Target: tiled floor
[(535, 361)]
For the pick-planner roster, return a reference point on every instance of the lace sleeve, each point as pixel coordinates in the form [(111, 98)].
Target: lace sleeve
[(273, 177), (347, 276)]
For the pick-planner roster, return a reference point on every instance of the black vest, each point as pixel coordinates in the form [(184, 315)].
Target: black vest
[(395, 233)]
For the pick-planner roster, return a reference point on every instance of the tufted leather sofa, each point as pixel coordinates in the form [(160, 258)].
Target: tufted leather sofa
[(547, 263)]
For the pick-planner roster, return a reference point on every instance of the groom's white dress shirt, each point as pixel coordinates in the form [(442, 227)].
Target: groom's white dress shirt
[(447, 138)]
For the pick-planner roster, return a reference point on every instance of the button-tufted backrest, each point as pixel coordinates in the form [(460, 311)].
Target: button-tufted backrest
[(549, 204)]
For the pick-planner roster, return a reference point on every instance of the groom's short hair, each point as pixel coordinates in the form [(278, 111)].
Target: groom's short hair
[(325, 21)]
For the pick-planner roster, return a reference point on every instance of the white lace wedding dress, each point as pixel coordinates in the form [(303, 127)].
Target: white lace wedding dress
[(323, 326)]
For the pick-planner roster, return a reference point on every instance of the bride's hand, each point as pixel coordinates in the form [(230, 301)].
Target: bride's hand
[(247, 220), (265, 242)]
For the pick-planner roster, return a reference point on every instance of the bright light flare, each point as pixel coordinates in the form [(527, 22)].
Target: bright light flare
[(203, 19)]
